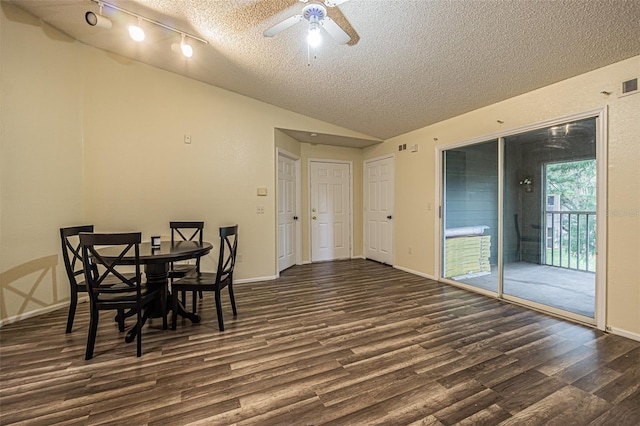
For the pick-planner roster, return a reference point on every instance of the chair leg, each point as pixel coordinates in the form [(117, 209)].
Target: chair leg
[(174, 309), (120, 319), (200, 293), (194, 302), (139, 336), (219, 310), (93, 330), (72, 310), (163, 300), (233, 299)]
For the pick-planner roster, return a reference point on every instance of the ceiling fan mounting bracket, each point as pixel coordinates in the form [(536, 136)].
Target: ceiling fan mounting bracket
[(314, 12)]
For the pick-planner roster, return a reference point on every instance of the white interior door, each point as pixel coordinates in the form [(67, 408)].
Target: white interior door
[(330, 211), (286, 212), (378, 209)]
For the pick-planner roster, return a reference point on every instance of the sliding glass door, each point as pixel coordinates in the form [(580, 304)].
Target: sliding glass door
[(550, 217), (519, 217)]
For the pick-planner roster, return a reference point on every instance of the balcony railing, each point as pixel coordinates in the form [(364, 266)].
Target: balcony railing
[(570, 240)]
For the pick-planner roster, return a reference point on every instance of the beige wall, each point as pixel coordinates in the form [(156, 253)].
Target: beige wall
[(40, 160), (416, 184), (287, 143), (89, 137)]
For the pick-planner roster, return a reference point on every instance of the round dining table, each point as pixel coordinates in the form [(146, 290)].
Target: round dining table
[(156, 261)]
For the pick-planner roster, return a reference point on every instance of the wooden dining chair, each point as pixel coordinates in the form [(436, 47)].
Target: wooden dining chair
[(208, 281), (185, 231), (125, 290), (72, 256)]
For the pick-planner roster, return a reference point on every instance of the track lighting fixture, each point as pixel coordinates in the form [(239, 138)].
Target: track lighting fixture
[(135, 30), (97, 20), (183, 47)]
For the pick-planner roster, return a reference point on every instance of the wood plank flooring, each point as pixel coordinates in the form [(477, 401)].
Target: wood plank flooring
[(344, 343)]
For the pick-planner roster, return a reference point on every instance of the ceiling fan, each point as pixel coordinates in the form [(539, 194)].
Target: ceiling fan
[(316, 14)]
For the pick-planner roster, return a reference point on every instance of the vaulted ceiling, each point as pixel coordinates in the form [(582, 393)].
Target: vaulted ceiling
[(410, 63)]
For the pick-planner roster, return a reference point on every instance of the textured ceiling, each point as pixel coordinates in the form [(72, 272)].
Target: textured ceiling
[(410, 63)]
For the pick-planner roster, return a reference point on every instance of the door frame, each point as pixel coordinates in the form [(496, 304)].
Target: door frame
[(308, 213), (298, 239), (601, 117), (364, 204)]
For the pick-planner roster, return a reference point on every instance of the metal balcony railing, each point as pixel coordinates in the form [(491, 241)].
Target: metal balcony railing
[(570, 240)]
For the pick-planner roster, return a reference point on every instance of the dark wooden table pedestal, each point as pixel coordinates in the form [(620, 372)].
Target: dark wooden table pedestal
[(157, 274), (156, 261)]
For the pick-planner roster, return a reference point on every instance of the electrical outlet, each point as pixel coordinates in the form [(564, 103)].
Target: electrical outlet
[(260, 209), (187, 139), (239, 257), (410, 250)]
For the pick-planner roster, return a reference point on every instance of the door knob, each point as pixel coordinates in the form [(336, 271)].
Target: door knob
[(313, 210), (389, 217), (313, 217)]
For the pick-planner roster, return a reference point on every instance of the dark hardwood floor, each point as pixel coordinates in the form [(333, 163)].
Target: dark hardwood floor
[(348, 343)]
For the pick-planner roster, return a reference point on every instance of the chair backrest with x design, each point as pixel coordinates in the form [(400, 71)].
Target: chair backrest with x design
[(72, 254), (185, 231), (111, 268), (228, 250)]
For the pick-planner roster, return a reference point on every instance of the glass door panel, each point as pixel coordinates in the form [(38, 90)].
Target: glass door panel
[(549, 216), (470, 215)]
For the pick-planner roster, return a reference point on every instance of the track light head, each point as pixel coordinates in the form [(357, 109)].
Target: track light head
[(182, 47), (136, 32), (97, 20)]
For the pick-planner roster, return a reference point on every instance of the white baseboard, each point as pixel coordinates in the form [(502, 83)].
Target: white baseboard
[(255, 280), (624, 333), (41, 311), (358, 257), (411, 271)]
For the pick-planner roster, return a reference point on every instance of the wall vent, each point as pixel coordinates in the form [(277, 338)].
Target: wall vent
[(630, 87)]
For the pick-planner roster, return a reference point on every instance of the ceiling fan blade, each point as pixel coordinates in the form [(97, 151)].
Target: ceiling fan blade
[(334, 3), (337, 15), (282, 25), (335, 31)]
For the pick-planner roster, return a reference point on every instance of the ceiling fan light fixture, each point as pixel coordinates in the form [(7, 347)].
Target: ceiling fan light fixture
[(314, 38), (136, 32)]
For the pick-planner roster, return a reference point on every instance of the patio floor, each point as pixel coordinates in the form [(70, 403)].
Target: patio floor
[(561, 288)]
